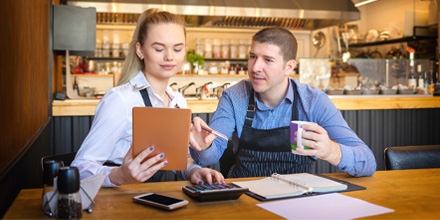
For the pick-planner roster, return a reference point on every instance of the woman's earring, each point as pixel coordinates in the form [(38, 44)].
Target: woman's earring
[(141, 56)]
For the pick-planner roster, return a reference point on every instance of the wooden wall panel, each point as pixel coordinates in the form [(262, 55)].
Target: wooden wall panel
[(24, 74)]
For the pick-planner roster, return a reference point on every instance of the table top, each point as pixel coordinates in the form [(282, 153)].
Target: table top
[(413, 194)]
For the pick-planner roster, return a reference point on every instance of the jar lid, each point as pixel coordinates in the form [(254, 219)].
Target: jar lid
[(68, 180), (50, 171)]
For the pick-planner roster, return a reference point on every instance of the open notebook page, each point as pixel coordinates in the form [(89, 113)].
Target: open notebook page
[(270, 188), (316, 183)]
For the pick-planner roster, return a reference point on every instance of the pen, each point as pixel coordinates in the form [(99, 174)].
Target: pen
[(216, 133)]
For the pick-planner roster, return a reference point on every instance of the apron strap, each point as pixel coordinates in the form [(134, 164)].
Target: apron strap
[(145, 97)]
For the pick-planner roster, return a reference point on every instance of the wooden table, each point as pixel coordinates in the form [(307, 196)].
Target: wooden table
[(413, 194)]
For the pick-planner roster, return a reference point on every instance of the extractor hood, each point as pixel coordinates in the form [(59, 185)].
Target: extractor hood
[(293, 14)]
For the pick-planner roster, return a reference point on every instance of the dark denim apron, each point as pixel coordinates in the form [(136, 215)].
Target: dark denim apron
[(262, 152)]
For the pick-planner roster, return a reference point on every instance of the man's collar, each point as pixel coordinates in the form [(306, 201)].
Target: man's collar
[(289, 97), (289, 94)]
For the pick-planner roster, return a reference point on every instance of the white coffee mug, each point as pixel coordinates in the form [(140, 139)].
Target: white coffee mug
[(295, 126)]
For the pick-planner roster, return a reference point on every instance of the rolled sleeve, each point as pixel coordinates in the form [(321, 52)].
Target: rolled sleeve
[(356, 161), (107, 182)]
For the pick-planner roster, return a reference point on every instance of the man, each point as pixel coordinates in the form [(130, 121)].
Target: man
[(257, 114)]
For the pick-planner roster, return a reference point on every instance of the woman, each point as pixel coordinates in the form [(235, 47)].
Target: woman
[(157, 52)]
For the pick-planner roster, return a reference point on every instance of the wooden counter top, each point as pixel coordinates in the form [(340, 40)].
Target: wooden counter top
[(345, 102), (412, 194)]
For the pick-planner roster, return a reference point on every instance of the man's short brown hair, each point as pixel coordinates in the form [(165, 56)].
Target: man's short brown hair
[(280, 37)]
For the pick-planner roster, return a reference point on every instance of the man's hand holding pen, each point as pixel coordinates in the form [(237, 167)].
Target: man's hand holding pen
[(201, 136)]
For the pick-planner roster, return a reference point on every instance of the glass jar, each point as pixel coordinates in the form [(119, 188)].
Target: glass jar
[(217, 49), (199, 46), (242, 49), (234, 49), (225, 48), (69, 199), (208, 48), (115, 50), (249, 46)]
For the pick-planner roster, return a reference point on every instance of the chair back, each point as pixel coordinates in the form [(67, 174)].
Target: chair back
[(412, 157), (66, 158), (227, 160)]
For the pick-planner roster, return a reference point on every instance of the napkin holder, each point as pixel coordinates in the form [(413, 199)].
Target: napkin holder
[(88, 190)]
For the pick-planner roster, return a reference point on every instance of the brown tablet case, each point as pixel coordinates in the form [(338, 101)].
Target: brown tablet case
[(167, 129)]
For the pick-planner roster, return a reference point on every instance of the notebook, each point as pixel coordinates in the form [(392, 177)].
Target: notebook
[(294, 185), (165, 128)]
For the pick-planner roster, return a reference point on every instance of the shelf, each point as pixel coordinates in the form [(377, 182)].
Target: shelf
[(92, 75), (210, 75), (399, 40), (130, 27), (123, 58), (106, 58), (224, 59)]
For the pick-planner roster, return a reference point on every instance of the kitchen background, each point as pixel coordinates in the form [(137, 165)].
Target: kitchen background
[(381, 30)]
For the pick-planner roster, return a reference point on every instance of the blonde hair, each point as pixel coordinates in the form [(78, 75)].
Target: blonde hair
[(133, 64)]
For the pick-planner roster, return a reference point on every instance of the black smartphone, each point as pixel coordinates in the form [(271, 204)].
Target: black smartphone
[(160, 201)]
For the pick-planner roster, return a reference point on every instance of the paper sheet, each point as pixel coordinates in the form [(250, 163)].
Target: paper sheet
[(327, 206)]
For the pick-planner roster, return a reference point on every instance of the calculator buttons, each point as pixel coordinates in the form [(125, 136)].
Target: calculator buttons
[(214, 192)]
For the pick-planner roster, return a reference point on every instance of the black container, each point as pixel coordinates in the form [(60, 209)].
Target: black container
[(69, 199), (50, 171), (68, 180)]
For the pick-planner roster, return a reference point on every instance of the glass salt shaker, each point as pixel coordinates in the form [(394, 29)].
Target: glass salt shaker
[(69, 199)]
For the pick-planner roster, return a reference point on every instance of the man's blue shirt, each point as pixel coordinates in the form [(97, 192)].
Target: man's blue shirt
[(314, 105)]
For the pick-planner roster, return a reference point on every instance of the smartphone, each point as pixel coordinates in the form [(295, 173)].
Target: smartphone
[(160, 201)]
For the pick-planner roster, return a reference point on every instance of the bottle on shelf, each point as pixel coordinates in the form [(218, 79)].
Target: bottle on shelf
[(437, 85), (421, 79), (75, 86), (412, 81), (431, 82), (426, 82), (233, 70)]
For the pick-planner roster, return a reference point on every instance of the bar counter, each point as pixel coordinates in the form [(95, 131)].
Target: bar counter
[(343, 102), (380, 121)]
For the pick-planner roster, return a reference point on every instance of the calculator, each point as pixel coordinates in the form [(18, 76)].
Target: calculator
[(214, 192)]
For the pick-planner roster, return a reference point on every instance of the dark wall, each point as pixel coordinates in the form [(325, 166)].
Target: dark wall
[(379, 129), (24, 95), (25, 172), (24, 74)]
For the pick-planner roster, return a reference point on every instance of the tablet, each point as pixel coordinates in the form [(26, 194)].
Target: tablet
[(167, 129)]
